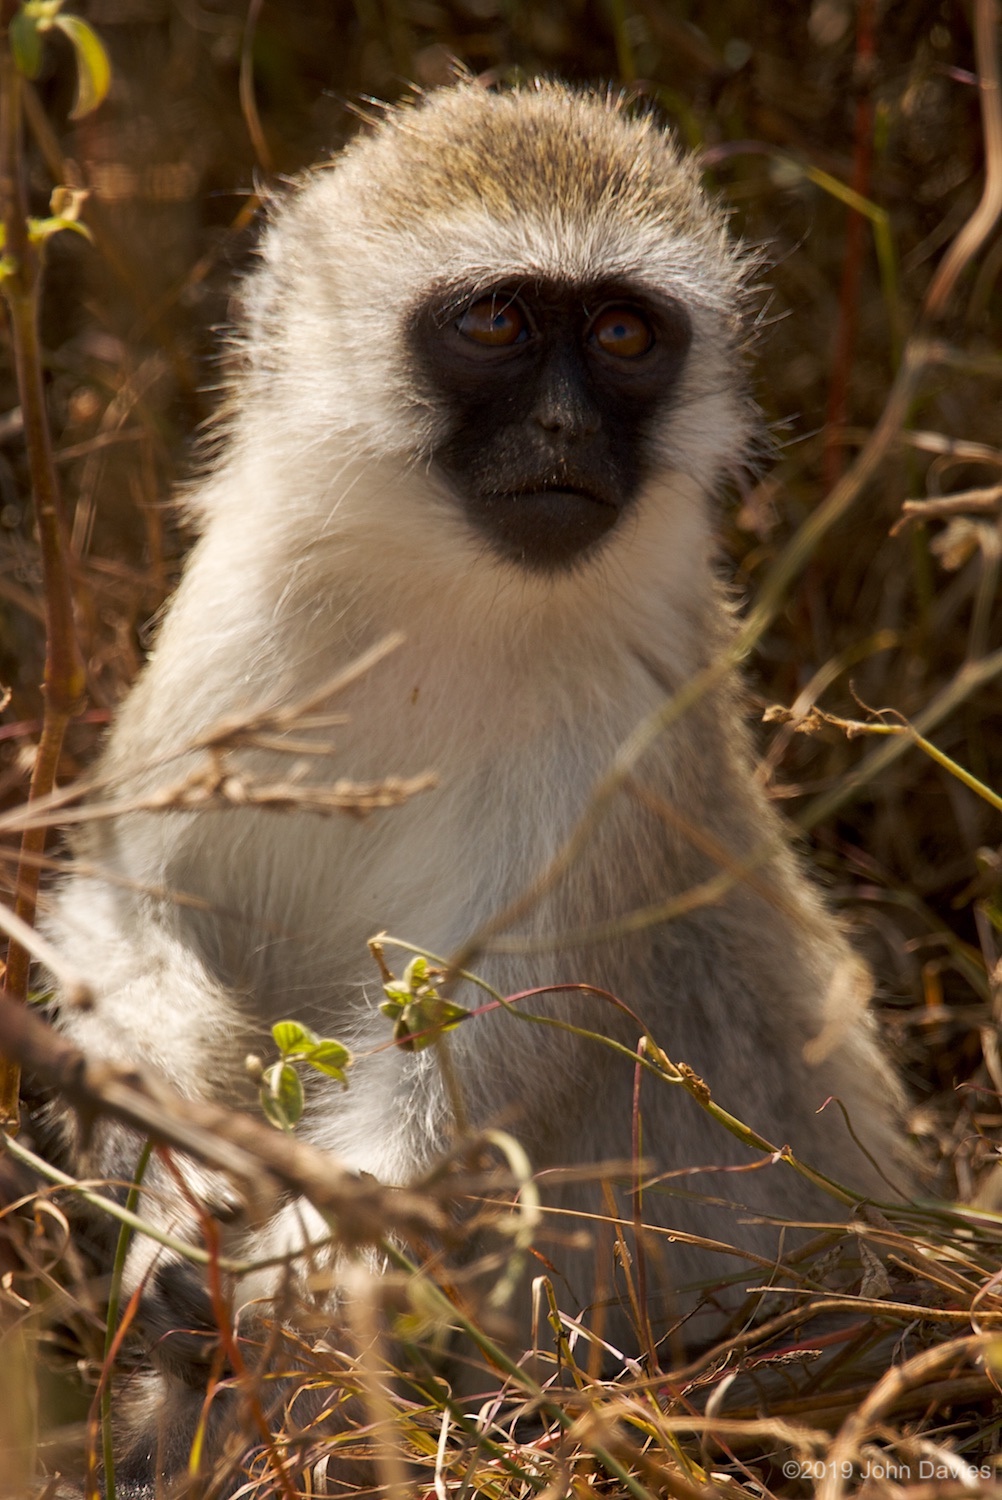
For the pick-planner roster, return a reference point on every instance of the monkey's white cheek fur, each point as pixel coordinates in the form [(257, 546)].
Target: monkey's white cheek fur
[(487, 388)]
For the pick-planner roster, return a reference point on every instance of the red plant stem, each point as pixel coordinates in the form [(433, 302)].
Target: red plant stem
[(852, 264), (229, 1344), (64, 681)]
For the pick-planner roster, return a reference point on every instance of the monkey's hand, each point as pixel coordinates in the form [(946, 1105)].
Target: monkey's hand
[(182, 1298)]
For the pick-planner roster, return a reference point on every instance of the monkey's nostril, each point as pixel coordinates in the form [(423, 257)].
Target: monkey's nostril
[(567, 424)]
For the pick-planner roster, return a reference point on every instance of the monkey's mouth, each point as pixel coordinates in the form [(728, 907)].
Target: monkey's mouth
[(545, 526)]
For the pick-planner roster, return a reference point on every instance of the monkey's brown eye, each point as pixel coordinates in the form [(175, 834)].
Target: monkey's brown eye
[(494, 323), (623, 332)]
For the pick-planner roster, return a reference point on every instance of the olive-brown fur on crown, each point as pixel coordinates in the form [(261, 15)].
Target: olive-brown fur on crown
[(526, 152)]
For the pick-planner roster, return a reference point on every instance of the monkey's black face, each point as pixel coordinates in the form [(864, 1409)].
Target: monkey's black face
[(553, 392)]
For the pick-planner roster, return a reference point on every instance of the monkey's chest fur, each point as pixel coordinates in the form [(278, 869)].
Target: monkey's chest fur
[(271, 911)]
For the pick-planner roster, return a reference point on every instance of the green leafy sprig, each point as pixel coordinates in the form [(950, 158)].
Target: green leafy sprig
[(281, 1088), (419, 1013), (29, 25)]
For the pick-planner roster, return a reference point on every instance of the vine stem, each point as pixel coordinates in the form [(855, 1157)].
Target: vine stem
[(64, 680), (111, 1332)]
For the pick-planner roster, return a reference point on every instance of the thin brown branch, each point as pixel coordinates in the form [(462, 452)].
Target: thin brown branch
[(261, 1158), (64, 680), (982, 502)]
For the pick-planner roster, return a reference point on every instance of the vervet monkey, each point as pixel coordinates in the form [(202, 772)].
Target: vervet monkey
[(488, 382)]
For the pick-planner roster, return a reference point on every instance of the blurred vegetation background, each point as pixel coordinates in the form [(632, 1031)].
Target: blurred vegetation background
[(803, 113)]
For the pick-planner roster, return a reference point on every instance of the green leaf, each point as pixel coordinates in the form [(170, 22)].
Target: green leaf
[(416, 972), (282, 1095), (993, 911), (418, 1012), (40, 230), (291, 1037), (329, 1057), (25, 44), (446, 1014), (93, 67), (421, 1022)]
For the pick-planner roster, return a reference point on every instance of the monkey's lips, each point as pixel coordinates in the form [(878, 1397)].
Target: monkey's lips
[(545, 527)]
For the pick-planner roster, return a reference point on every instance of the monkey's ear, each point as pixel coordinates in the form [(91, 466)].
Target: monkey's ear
[(438, 67)]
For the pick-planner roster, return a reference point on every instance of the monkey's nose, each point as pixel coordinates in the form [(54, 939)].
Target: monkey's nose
[(567, 420)]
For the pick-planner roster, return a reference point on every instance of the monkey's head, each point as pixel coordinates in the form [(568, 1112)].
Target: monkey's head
[(525, 299)]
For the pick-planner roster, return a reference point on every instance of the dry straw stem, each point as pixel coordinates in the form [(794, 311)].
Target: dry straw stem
[(982, 502), (971, 676), (248, 102), (74, 986), (607, 1453), (816, 718), (362, 1305), (911, 1375), (981, 223), (214, 786), (920, 355), (86, 1190), (648, 1056), (64, 680)]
